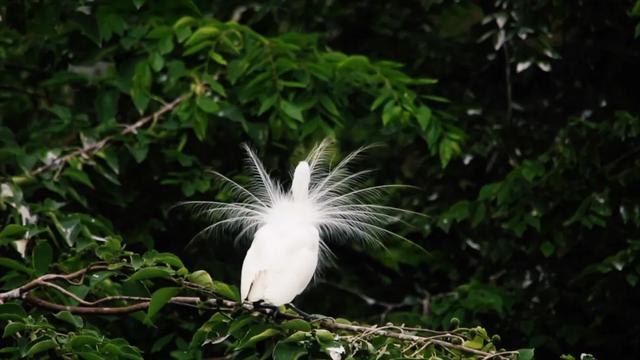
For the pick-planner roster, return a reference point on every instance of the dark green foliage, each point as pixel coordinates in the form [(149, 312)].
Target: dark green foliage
[(524, 152)]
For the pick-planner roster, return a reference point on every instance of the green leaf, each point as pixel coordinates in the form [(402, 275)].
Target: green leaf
[(390, 113), (217, 58), (160, 298), (140, 98), (259, 337), (11, 311), (525, 354), (201, 34), (141, 85), (184, 21), (79, 176), (70, 318), (329, 105), (200, 124), (13, 231), (157, 61), (297, 325), (42, 257), (208, 104), (201, 278), (81, 340), (324, 335), (154, 257), (214, 85), (477, 343), (139, 151), (288, 351), (150, 273), (291, 110), (12, 328), (547, 249), (267, 103), (15, 265), (423, 115), (107, 105), (447, 149), (230, 292), (138, 3), (41, 346)]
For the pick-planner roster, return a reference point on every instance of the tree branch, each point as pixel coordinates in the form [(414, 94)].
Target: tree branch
[(88, 150), (214, 302)]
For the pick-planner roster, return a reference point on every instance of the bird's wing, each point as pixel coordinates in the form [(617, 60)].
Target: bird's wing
[(250, 268), (279, 264), (257, 260)]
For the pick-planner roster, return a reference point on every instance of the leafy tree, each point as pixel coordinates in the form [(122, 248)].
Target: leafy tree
[(524, 153)]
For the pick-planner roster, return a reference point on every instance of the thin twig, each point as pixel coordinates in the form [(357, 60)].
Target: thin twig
[(90, 149), (19, 292)]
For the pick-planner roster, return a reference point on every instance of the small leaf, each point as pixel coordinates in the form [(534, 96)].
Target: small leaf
[(217, 58), (329, 105), (79, 176), (70, 318), (324, 335), (230, 292), (13, 231), (291, 110), (267, 103), (140, 99), (202, 34), (201, 278), (525, 354), (214, 85), (547, 249), (288, 351), (390, 113), (139, 151), (447, 149), (81, 340), (107, 105), (13, 312), (141, 85), (184, 21), (41, 346), (14, 265), (208, 104), (200, 124), (160, 298), (423, 115), (12, 328), (150, 273), (261, 336), (42, 257), (297, 325), (138, 3), (157, 61)]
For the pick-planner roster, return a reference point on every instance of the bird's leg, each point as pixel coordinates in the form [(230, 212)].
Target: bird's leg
[(305, 315), (261, 304)]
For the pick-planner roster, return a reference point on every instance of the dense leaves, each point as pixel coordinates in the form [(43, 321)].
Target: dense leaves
[(524, 153)]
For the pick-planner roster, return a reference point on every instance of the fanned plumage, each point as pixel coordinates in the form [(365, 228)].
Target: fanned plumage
[(289, 228)]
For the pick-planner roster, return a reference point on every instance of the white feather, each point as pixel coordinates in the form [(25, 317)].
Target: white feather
[(289, 228)]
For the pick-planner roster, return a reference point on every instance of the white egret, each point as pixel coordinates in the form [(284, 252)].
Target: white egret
[(289, 228)]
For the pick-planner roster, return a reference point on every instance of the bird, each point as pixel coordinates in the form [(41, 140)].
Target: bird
[(289, 228)]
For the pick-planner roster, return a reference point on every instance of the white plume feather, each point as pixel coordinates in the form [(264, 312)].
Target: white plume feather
[(332, 200)]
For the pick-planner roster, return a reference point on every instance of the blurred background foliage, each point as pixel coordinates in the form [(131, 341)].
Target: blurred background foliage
[(517, 121)]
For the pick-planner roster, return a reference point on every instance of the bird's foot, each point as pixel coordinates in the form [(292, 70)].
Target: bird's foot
[(272, 309), (306, 316)]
